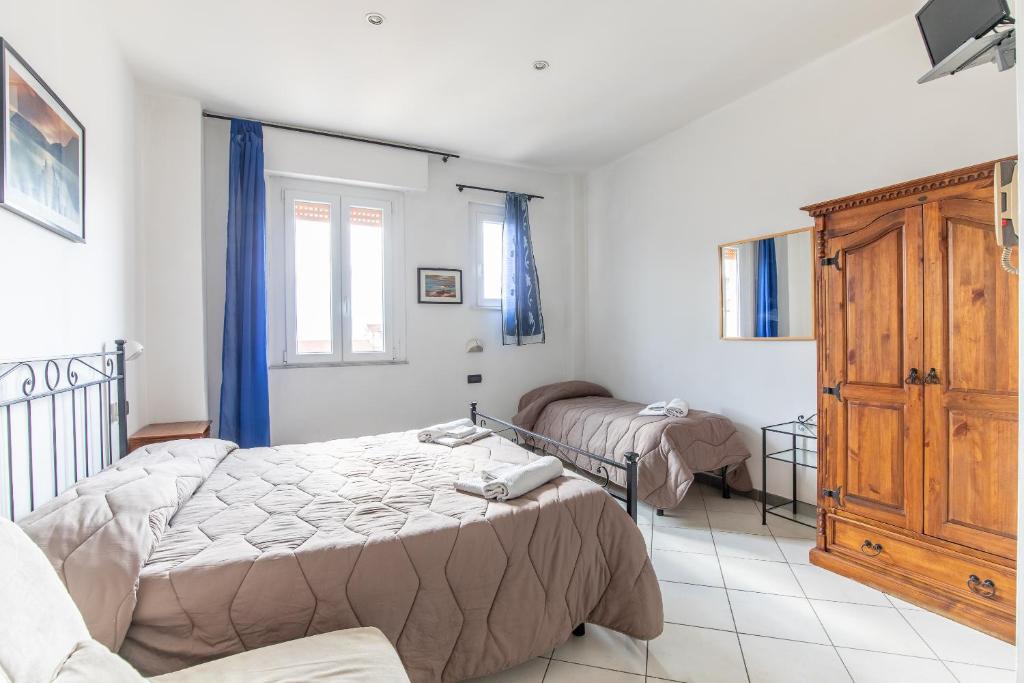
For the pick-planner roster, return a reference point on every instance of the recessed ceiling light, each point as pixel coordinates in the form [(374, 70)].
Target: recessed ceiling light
[(375, 18), (541, 64)]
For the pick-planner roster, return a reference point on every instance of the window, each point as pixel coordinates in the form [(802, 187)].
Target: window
[(335, 262), (487, 223)]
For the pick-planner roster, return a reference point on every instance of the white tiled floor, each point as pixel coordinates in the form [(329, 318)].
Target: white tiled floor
[(743, 605)]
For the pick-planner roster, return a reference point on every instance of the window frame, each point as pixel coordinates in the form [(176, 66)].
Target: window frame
[(478, 212), (348, 355), (282, 192), (292, 356)]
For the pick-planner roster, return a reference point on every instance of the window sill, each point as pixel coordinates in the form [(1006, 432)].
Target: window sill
[(336, 364)]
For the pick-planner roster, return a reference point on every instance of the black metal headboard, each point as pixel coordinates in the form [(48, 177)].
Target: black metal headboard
[(56, 423)]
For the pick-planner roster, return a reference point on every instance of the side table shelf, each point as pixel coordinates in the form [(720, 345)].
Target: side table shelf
[(796, 455)]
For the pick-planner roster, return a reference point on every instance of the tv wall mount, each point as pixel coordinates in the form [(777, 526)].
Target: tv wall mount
[(997, 47)]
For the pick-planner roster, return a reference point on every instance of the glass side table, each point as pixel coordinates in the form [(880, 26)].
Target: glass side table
[(801, 433)]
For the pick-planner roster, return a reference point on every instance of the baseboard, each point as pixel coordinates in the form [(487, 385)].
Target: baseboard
[(755, 495)]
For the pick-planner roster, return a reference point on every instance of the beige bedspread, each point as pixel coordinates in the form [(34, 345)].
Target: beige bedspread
[(671, 450), (99, 533), (283, 542)]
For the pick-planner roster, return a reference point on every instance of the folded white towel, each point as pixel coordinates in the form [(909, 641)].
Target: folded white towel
[(476, 434), (438, 431), (495, 470), (460, 432), (677, 407), (654, 409), (524, 478), (470, 483)]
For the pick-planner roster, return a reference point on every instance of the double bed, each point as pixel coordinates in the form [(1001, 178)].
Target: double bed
[(188, 551)]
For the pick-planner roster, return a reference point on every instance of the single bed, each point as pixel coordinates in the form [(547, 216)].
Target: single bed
[(671, 451)]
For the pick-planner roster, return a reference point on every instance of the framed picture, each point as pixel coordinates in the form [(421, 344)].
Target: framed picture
[(439, 285), (43, 151)]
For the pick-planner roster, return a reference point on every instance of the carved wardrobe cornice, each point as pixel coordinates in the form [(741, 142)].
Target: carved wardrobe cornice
[(980, 172)]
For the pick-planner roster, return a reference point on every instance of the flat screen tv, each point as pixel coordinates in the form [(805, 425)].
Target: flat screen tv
[(947, 24)]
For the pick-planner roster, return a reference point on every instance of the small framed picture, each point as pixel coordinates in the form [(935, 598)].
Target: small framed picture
[(439, 285), (42, 151)]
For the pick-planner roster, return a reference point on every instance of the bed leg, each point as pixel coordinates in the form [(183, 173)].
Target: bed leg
[(632, 483), (726, 491), (580, 630), (660, 512)]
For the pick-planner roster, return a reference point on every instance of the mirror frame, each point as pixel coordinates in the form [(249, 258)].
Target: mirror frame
[(721, 290)]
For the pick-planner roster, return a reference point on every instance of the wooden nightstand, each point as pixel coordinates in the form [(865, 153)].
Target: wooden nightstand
[(168, 431)]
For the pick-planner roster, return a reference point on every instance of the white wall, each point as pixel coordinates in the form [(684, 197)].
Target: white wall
[(851, 121), (60, 297), (309, 404), (170, 212), (320, 157)]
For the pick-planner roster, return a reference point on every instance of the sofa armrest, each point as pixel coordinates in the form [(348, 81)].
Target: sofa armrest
[(357, 655)]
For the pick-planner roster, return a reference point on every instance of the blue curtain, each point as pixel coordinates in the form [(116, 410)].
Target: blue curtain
[(767, 295), (244, 396), (522, 319)]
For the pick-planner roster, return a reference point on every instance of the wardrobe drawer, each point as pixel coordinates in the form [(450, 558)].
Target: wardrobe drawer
[(963, 576)]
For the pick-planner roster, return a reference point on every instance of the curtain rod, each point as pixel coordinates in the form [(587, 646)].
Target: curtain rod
[(445, 156), (491, 189)]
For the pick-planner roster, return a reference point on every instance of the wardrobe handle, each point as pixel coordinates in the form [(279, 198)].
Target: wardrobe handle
[(914, 377), (871, 549), (985, 589), (932, 377)]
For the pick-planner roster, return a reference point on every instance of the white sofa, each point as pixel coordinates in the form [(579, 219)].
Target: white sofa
[(43, 638)]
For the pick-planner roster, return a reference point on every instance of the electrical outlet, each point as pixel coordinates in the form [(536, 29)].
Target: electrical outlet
[(474, 379)]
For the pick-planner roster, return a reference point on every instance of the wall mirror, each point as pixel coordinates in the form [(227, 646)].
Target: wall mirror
[(767, 287)]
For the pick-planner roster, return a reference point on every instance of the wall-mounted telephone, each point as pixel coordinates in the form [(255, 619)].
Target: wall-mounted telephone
[(1007, 215)]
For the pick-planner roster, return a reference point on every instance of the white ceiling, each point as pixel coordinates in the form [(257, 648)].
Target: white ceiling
[(457, 75)]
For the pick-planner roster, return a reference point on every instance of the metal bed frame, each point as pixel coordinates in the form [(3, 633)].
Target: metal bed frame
[(35, 396), (570, 455)]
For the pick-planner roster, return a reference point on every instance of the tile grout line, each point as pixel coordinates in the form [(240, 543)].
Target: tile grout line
[(791, 565), (728, 600), (813, 611), (924, 640), (903, 610), (787, 640), (591, 666), (781, 595), (546, 667)]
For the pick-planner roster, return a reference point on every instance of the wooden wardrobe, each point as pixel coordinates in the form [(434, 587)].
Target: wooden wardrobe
[(917, 374)]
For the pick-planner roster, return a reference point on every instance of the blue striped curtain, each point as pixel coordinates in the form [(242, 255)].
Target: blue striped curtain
[(522, 319), (767, 294), (244, 394)]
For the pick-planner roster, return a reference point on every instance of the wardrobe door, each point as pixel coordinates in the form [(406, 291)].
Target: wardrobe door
[(971, 400), (874, 341)]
